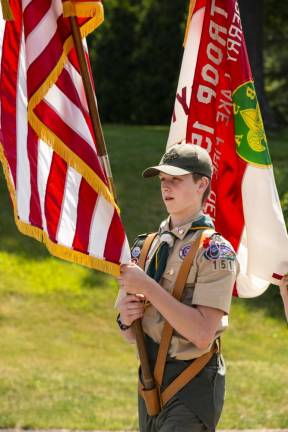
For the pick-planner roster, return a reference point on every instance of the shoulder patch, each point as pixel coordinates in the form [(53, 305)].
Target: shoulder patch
[(137, 247), (217, 248), (183, 252)]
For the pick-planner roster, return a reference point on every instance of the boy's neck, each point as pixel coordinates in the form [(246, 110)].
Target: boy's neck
[(179, 220)]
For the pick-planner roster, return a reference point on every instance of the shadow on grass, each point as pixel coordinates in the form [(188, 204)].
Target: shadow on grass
[(11, 240), (270, 302), (95, 278)]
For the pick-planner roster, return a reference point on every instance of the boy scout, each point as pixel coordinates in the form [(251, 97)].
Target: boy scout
[(201, 314)]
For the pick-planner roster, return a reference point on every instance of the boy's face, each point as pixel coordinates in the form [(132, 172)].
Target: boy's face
[(181, 195)]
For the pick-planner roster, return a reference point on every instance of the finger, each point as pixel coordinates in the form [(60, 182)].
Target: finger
[(123, 268), (133, 298), (134, 309), (134, 306), (135, 316)]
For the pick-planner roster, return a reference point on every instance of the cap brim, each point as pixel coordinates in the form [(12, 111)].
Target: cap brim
[(166, 169)]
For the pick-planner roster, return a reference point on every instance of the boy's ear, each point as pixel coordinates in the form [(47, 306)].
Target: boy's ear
[(203, 183)]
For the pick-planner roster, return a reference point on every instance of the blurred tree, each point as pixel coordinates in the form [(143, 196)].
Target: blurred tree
[(136, 75), (276, 57), (112, 56), (158, 59), (136, 58), (252, 16)]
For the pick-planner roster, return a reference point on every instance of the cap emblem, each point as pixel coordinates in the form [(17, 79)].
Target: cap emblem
[(171, 155)]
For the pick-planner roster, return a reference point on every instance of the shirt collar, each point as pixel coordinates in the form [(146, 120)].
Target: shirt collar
[(200, 220)]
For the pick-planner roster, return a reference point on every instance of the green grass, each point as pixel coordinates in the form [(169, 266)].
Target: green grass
[(62, 362)]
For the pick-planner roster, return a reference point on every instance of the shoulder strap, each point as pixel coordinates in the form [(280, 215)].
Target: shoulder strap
[(145, 249), (177, 294)]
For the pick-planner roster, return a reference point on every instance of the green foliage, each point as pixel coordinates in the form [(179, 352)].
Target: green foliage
[(276, 57), (136, 57), (113, 62), (278, 147), (157, 59)]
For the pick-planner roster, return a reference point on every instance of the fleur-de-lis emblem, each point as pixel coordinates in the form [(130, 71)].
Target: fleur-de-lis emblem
[(171, 155), (256, 136)]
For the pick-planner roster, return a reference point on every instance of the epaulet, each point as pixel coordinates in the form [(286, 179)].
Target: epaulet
[(137, 246)]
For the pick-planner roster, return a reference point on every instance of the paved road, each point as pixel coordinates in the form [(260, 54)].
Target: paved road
[(129, 430)]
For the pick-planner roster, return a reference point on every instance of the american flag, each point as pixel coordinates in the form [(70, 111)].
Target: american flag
[(49, 153)]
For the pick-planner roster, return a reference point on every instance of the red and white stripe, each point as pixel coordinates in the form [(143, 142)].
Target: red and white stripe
[(50, 194)]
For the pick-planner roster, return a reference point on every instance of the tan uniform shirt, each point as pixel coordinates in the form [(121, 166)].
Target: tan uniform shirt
[(215, 278)]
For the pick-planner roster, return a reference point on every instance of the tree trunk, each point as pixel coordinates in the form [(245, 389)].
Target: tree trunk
[(252, 16)]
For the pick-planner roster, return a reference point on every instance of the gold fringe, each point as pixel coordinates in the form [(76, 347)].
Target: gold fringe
[(81, 258), (87, 9), (50, 138), (55, 249), (66, 253), (71, 158), (7, 11), (9, 182), (190, 13)]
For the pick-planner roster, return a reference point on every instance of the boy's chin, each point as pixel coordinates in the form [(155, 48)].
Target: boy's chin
[(169, 207)]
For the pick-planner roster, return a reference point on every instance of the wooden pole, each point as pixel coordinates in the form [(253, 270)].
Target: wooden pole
[(92, 105), (147, 377), (148, 380), (6, 10)]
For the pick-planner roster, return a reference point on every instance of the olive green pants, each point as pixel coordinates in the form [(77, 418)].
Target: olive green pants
[(196, 407), (174, 417)]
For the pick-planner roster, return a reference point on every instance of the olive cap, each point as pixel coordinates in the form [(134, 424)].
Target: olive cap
[(183, 159)]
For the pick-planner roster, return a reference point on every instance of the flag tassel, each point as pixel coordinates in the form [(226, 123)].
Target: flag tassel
[(6, 10)]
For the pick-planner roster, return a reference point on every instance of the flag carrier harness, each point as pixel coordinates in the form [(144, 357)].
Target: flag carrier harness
[(154, 398)]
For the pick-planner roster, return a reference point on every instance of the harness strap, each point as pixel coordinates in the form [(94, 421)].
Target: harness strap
[(199, 363), (177, 294), (145, 249), (190, 372)]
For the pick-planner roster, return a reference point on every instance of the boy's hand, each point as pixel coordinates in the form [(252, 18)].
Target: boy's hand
[(131, 307), (133, 279)]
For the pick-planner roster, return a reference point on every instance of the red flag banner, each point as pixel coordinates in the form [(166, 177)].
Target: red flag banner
[(216, 107), (58, 186)]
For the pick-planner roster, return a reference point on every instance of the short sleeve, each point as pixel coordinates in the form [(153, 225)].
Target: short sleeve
[(217, 268)]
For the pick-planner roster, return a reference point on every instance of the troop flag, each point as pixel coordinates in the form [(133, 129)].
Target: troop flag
[(216, 107), (56, 178)]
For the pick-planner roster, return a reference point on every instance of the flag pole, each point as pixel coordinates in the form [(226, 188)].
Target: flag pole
[(92, 105), (6, 10), (148, 380)]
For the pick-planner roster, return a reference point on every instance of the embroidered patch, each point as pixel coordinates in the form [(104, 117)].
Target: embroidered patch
[(224, 264), (171, 155), (216, 249), (135, 253), (183, 252)]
